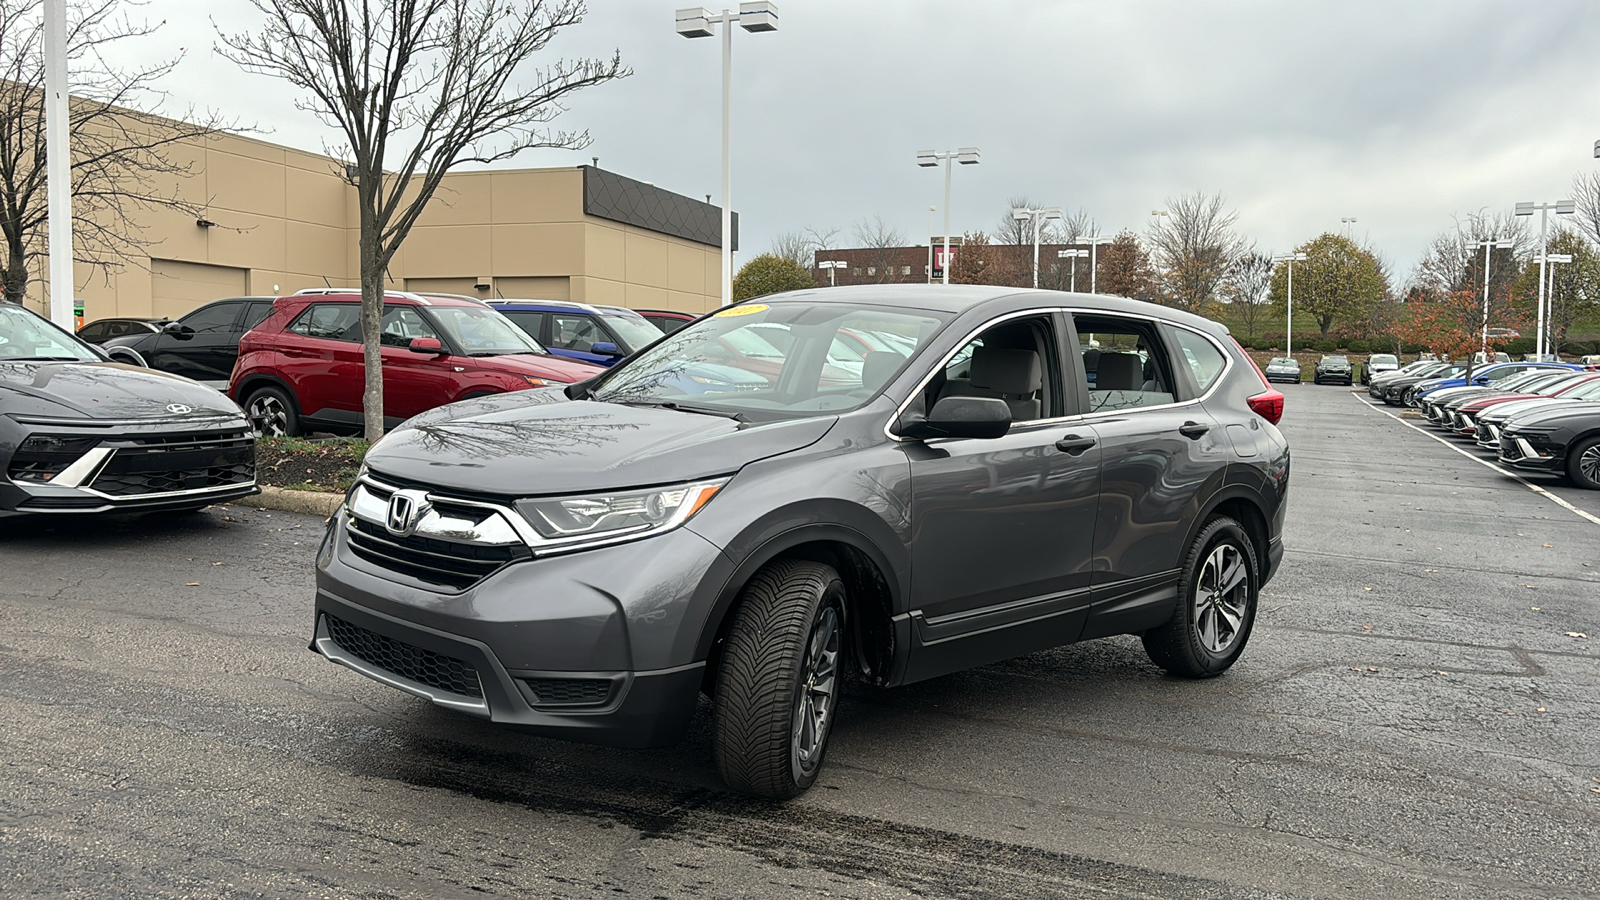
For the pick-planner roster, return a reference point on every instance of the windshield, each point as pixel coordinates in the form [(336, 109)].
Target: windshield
[(773, 361), (482, 331), (634, 331), (1381, 359), (25, 336)]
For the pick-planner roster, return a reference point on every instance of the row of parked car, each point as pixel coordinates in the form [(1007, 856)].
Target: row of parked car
[(1538, 416), (1333, 368)]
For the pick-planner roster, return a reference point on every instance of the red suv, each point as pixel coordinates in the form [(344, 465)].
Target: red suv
[(301, 368)]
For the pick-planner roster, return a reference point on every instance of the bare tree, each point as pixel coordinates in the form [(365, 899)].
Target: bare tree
[(880, 239), (124, 160), (1193, 247), (1246, 289), (1586, 194), (1454, 260), (800, 247), (416, 88)]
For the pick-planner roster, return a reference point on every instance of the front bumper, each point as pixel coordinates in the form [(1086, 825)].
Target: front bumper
[(596, 646), (1531, 451), (58, 467)]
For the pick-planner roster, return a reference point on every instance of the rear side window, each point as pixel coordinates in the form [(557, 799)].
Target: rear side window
[(528, 320), (330, 321), (1124, 362), (1203, 358)]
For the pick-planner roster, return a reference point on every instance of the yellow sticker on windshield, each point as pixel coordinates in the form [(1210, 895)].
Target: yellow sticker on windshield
[(745, 310)]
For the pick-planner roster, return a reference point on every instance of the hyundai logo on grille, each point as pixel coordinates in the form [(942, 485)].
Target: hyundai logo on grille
[(179, 409), (406, 509)]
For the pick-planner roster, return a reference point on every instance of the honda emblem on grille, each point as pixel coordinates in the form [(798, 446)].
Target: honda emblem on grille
[(406, 509), (179, 409)]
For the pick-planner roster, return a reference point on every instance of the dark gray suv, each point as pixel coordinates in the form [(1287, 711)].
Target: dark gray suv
[(1001, 472)]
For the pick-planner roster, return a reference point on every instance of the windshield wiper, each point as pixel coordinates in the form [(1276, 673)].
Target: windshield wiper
[(679, 407), (44, 359)]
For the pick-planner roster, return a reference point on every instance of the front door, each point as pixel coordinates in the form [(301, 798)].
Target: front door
[(1003, 529), (205, 348), (414, 382)]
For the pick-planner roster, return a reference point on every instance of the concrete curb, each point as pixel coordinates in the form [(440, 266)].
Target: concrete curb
[(311, 503)]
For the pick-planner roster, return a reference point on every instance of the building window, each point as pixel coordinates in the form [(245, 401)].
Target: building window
[(872, 270), (905, 270)]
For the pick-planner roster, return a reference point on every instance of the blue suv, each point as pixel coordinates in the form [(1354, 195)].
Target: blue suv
[(594, 334)]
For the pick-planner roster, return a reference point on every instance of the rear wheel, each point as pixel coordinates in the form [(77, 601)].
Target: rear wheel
[(1216, 607), (1583, 463), (272, 413), (778, 682)]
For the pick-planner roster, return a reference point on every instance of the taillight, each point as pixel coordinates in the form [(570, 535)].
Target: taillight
[(1269, 403)]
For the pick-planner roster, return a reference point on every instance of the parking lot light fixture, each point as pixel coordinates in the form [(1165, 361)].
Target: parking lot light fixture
[(1288, 328), (1038, 216), (1549, 295), (698, 22), (1562, 208), (1489, 245), (1094, 242), (1074, 255), (966, 156), (833, 266)]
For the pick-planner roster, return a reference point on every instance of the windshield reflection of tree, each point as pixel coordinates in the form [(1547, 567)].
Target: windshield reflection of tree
[(479, 438)]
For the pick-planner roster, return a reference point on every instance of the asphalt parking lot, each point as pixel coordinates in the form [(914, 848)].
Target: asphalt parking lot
[(1411, 719)]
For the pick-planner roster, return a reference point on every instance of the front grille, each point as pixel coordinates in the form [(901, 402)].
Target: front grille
[(569, 691), (422, 666), (135, 484), (447, 563)]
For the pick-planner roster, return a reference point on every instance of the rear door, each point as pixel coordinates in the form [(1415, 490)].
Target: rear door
[(1162, 455), (320, 356)]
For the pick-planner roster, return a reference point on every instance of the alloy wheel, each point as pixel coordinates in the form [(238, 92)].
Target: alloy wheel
[(1222, 598), (1589, 464), (819, 691), (270, 416)]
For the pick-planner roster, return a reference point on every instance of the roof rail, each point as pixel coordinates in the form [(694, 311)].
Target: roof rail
[(404, 295)]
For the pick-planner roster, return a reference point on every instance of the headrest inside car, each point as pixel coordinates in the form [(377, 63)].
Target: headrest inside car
[(1006, 371)]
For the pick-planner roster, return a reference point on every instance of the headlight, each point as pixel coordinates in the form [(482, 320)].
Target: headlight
[(617, 513), (543, 382)]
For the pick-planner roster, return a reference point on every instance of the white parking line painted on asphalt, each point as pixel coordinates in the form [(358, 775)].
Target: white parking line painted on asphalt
[(1506, 472)]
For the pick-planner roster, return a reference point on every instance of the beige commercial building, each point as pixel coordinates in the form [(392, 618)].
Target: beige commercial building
[(279, 219)]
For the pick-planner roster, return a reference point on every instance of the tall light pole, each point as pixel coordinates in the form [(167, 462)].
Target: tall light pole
[(1488, 245), (1094, 262), (929, 271), (698, 22), (833, 266), (1562, 208), (1347, 221), (966, 156), (1074, 255), (58, 163), (1038, 216), (1549, 295), (1288, 328)]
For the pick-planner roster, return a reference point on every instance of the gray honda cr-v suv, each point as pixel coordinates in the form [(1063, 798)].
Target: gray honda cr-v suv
[(921, 481)]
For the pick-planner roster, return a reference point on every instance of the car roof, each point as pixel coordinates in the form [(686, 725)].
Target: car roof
[(960, 298)]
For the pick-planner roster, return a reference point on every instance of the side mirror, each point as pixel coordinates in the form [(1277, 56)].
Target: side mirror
[(1480, 379), (605, 348), (426, 345), (960, 417), (177, 329)]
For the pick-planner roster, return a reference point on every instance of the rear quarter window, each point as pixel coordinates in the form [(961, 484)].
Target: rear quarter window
[(1205, 361)]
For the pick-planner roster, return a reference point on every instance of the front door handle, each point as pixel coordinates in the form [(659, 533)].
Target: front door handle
[(1074, 444), (1193, 430)]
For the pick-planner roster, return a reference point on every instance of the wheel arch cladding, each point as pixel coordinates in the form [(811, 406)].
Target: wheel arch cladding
[(871, 593), (252, 383), (1239, 504)]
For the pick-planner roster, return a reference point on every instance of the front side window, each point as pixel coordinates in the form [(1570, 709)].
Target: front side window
[(214, 319), (481, 331), (1125, 363), (1014, 361), (633, 331), (401, 324), (25, 336), (575, 332), (770, 361)]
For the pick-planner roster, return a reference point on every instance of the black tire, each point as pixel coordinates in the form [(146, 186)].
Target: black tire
[(272, 412), (778, 683), (1202, 639), (1583, 463)]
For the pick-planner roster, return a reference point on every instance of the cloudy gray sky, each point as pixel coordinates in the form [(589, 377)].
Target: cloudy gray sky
[(1402, 113)]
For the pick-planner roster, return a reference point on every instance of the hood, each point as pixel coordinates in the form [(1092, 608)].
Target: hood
[(530, 443), (1582, 413), (104, 390), (557, 368), (1502, 411)]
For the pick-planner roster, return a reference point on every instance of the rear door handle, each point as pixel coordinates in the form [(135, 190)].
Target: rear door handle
[(1193, 430), (1074, 444)]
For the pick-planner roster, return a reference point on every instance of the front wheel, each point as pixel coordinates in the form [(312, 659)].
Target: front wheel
[(1583, 463), (778, 682), (1216, 606)]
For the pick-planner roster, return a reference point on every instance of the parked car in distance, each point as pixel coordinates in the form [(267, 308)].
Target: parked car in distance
[(1502, 333), (1482, 376), (101, 330), (81, 434), (1378, 364), (202, 344), (1500, 356), (1464, 414), (594, 334), (1283, 368), (1492, 420), (302, 368), (759, 546), (1590, 360), (1333, 369), (1392, 388), (668, 320)]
